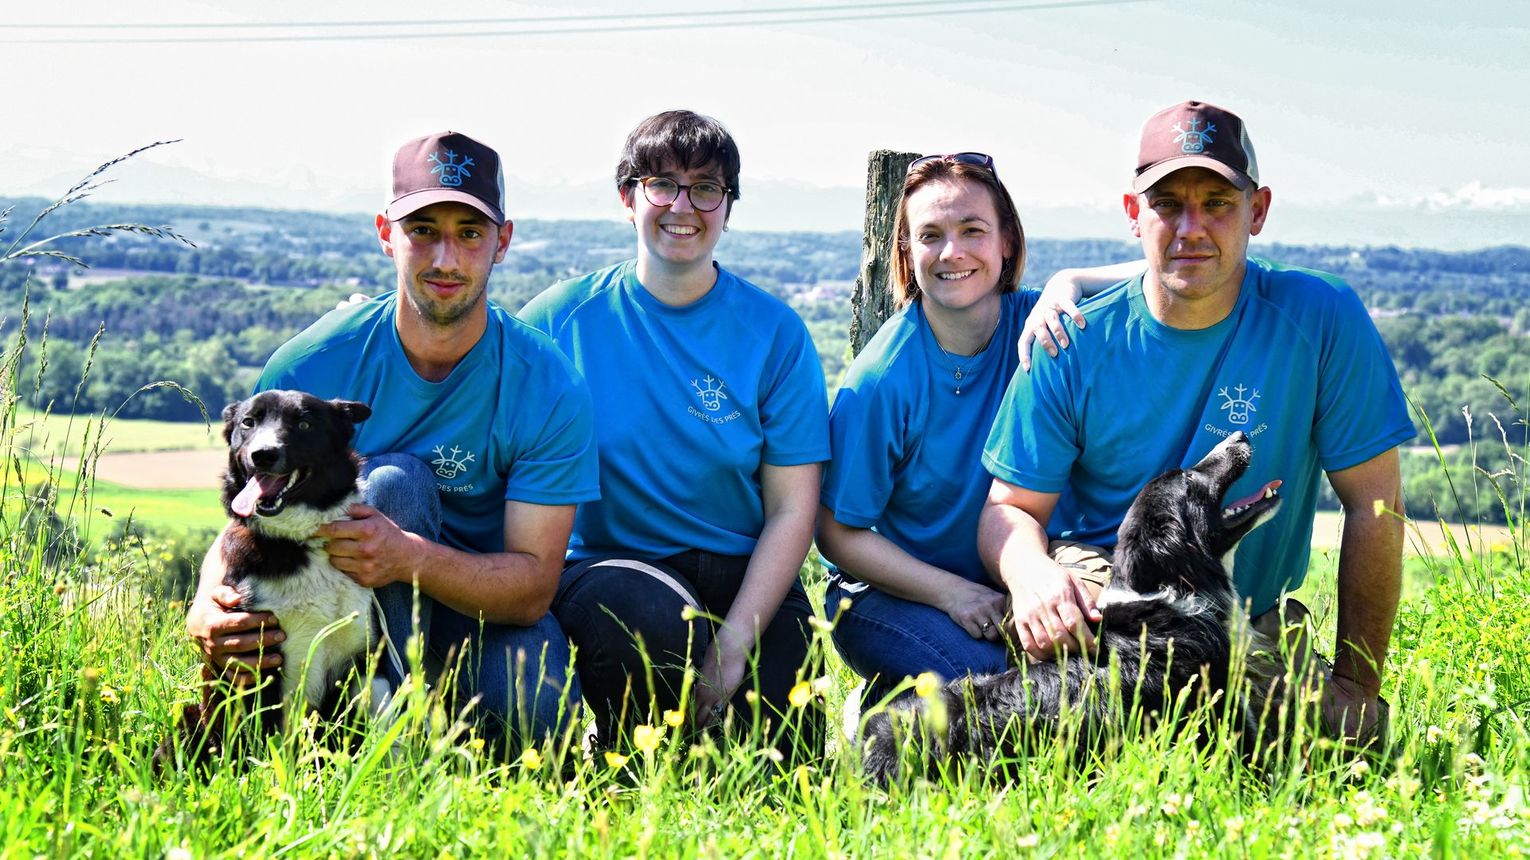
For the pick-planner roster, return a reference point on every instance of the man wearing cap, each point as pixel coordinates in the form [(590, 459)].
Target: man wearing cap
[(479, 446), (1205, 343)]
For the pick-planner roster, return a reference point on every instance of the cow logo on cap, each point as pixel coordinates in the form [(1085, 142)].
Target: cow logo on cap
[(1194, 140), (451, 170)]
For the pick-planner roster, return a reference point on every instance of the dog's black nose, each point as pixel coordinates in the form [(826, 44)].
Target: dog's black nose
[(266, 459)]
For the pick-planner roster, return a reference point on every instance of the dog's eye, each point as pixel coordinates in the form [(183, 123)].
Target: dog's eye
[(304, 425), (248, 421)]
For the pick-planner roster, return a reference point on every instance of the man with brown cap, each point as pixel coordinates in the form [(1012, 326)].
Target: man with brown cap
[(479, 447), (1205, 343)]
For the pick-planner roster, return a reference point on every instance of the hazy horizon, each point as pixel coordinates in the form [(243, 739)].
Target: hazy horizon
[(1377, 123)]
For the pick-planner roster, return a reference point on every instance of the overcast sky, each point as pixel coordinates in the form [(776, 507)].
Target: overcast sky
[(1387, 112)]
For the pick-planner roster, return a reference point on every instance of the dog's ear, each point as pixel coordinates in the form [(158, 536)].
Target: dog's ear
[(353, 411), (229, 413)]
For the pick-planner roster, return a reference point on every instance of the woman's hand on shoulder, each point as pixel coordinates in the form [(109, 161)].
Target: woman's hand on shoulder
[(1044, 323)]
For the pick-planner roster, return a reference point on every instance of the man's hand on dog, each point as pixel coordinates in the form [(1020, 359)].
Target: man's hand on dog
[(370, 548), (1054, 614), (978, 610), (234, 644)]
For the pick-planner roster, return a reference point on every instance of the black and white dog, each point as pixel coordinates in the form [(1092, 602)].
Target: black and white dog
[(290, 471), (1167, 616)]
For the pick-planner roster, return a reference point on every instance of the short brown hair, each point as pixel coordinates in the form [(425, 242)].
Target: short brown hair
[(682, 139), (905, 287)]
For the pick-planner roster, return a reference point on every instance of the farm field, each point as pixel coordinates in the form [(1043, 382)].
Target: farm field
[(45, 435)]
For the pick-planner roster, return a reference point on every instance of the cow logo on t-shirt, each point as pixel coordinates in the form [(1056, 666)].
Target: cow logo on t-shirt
[(1239, 403), (450, 464), (710, 391)]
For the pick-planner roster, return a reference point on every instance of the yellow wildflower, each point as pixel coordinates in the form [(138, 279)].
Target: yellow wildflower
[(801, 694), (926, 685), (531, 759), (673, 719), (647, 738), (615, 759)]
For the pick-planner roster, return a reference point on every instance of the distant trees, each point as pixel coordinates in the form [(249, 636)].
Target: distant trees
[(1457, 324)]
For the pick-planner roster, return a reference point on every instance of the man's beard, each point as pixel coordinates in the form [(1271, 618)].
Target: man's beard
[(444, 312)]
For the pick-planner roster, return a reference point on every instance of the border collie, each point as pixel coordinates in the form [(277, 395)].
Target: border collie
[(1166, 621), (290, 471)]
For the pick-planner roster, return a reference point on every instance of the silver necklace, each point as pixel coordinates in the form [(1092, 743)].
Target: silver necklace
[(958, 375)]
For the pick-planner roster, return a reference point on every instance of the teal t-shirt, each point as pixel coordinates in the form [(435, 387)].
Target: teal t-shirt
[(907, 447), (690, 402), (512, 422), (1297, 365)]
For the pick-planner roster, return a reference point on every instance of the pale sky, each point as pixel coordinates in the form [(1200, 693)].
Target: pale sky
[(1388, 121)]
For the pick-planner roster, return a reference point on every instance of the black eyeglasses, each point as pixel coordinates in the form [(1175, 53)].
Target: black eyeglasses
[(976, 159), (704, 196)]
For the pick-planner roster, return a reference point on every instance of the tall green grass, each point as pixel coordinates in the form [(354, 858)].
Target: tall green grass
[(94, 664), (95, 661)]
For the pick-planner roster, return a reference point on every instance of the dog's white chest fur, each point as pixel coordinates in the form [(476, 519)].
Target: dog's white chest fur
[(307, 602)]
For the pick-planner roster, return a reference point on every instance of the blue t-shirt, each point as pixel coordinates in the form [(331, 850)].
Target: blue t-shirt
[(512, 422), (1297, 366), (691, 402), (906, 445)]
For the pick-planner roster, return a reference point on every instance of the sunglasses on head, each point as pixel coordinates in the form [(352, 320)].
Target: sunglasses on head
[(976, 159)]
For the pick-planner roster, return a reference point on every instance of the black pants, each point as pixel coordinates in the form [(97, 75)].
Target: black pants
[(616, 609)]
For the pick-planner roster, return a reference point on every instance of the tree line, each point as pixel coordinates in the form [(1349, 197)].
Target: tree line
[(208, 317)]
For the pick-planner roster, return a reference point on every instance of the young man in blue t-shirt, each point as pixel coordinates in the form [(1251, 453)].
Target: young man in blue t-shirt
[(479, 447), (1204, 343)]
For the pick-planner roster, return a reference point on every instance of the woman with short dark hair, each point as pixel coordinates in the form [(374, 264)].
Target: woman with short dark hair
[(711, 422)]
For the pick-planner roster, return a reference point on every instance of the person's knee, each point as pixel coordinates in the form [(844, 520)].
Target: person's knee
[(891, 640), (525, 679), (633, 612), (404, 489)]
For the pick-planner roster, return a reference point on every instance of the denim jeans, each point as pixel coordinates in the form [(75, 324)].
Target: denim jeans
[(886, 639), (625, 619), (522, 674)]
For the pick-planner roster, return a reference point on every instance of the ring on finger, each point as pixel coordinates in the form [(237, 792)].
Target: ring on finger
[(987, 625)]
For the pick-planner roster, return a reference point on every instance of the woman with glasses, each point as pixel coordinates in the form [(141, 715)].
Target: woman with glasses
[(711, 421), (901, 497)]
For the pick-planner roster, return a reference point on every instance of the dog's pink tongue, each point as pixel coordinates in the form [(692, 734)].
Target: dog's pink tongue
[(244, 503), (1259, 494)]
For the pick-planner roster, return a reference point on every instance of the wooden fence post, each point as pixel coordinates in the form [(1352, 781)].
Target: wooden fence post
[(872, 301)]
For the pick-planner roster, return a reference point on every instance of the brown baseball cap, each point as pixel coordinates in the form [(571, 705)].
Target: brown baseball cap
[(1195, 134), (447, 166)]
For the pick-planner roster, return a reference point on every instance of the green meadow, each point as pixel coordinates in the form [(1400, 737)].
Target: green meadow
[(94, 665), (44, 434)]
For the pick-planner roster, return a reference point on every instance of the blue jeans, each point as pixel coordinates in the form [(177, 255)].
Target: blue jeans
[(521, 673), (886, 639)]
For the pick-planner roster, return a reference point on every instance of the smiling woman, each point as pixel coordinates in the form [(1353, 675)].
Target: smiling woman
[(901, 498), (711, 424)]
